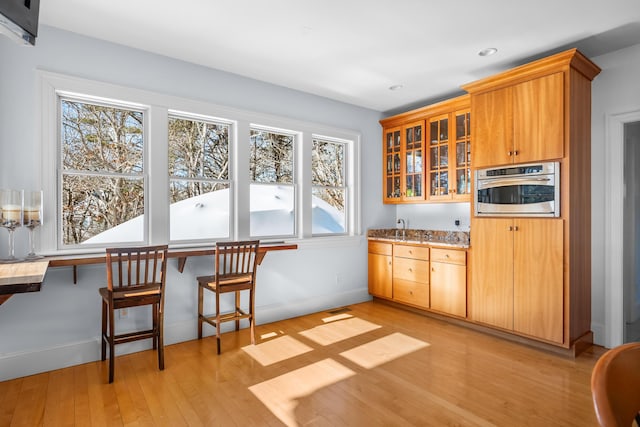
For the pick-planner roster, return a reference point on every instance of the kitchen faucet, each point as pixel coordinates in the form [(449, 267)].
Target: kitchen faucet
[(404, 228)]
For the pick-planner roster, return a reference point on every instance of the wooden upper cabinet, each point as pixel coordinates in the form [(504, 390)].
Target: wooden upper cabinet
[(393, 165), (520, 123), (427, 154), (403, 178)]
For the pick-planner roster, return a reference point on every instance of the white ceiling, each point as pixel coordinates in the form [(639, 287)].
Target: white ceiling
[(354, 50)]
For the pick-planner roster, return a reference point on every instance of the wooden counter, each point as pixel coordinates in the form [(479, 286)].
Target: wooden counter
[(21, 277), (181, 254)]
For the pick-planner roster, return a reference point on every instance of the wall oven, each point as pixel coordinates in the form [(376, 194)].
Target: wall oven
[(519, 190)]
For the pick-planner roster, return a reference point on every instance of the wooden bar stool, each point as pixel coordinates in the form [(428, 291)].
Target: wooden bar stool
[(235, 271), (135, 277)]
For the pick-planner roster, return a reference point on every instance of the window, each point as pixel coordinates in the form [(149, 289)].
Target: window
[(328, 187), (102, 173), (139, 167), (198, 179), (272, 195)]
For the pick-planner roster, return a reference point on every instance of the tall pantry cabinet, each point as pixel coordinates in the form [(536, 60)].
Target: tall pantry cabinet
[(537, 282)]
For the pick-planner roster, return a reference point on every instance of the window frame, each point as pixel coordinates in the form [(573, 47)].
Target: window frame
[(158, 108)]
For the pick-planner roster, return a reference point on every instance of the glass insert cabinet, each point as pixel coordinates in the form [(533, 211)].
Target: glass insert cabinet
[(427, 154)]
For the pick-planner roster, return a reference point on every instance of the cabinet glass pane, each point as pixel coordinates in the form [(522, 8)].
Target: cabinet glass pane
[(444, 156), (389, 142), (417, 182), (396, 186), (396, 163), (409, 137), (463, 180), (409, 157), (389, 164), (444, 130), (434, 133), (396, 139), (418, 154), (417, 133), (433, 161)]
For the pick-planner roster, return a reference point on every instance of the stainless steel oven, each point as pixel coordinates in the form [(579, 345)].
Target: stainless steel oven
[(520, 190)]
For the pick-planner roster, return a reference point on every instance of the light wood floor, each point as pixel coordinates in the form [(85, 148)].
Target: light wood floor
[(370, 365)]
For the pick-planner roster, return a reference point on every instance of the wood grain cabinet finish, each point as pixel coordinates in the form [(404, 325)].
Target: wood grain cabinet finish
[(519, 124), (411, 275), (380, 269), (520, 284), (427, 153), (535, 279), (448, 281)]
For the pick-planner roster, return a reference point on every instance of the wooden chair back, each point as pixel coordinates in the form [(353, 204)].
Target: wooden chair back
[(615, 386), (133, 270), (236, 262)]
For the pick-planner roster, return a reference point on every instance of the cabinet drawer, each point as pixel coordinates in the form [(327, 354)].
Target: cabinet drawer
[(411, 293), (414, 270), (450, 256), (380, 248), (416, 252)]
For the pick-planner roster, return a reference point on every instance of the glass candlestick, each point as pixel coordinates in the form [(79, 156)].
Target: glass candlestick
[(32, 218), (11, 217)]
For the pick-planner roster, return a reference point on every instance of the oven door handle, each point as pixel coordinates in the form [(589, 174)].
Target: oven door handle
[(514, 181)]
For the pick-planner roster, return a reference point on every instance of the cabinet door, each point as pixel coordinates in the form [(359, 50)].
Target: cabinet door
[(392, 165), (491, 285), (380, 269), (538, 278), (439, 158), (413, 154), (449, 288), (461, 156), (538, 117), (492, 128)]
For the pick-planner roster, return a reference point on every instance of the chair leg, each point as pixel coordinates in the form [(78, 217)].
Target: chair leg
[(218, 320), (112, 357), (252, 316), (160, 339), (154, 325), (103, 337), (237, 310), (200, 309)]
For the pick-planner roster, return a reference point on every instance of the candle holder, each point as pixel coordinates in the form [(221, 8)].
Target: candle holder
[(32, 218), (11, 217)]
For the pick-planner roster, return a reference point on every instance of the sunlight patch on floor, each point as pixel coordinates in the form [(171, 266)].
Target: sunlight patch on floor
[(340, 316), (334, 332), (276, 350), (280, 394), (383, 350)]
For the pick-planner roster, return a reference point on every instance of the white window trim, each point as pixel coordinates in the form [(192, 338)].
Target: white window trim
[(158, 107)]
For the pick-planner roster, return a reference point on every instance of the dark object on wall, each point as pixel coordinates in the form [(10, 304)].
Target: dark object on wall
[(19, 20)]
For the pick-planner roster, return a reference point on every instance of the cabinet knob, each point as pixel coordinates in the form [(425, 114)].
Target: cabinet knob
[(510, 228), (509, 153), (515, 228), (515, 153)]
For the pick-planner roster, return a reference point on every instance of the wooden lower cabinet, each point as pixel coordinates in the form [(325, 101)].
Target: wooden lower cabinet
[(517, 269), (408, 274), (448, 281), (411, 275), (380, 269)]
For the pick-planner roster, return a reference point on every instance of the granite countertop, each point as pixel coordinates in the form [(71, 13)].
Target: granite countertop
[(457, 239)]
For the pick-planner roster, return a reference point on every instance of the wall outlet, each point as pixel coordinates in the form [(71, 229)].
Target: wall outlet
[(457, 222)]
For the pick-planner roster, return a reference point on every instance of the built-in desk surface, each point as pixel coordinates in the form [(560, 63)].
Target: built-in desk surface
[(21, 277)]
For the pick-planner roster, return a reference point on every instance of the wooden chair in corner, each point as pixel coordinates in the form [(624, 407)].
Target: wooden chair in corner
[(235, 271), (136, 276), (615, 386)]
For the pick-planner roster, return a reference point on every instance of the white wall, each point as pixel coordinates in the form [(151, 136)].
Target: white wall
[(60, 325), (615, 90)]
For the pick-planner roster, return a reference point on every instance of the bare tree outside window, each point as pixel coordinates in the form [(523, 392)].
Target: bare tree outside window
[(102, 169), (271, 168), (199, 178), (328, 180)]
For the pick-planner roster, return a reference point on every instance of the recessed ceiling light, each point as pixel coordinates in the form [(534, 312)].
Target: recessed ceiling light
[(488, 51), (395, 87)]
